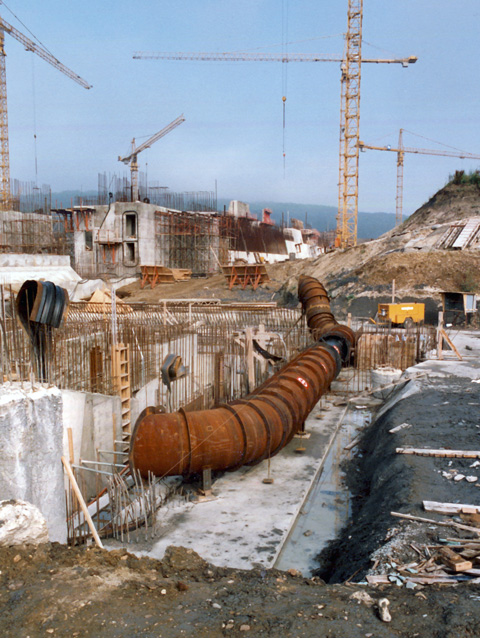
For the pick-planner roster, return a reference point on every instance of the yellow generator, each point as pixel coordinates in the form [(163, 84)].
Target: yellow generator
[(400, 314)]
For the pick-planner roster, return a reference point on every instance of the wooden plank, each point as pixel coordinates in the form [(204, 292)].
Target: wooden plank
[(83, 505), (454, 561), (352, 443), (440, 453), (402, 426), (377, 579), (450, 343), (470, 553), (70, 445), (450, 508), (420, 519), (425, 579)]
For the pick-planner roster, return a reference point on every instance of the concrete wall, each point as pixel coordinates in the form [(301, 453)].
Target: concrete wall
[(31, 443), (185, 389), (34, 436), (91, 418)]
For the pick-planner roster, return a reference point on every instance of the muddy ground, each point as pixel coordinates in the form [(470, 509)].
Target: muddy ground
[(58, 591)]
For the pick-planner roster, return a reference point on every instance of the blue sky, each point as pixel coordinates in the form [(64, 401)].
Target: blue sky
[(233, 111)]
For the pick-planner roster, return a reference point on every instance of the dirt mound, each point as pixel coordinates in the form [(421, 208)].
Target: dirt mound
[(63, 592), (453, 202), (445, 270)]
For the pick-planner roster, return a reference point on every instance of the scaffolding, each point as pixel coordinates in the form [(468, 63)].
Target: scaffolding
[(116, 188), (28, 197), (188, 240), (33, 233)]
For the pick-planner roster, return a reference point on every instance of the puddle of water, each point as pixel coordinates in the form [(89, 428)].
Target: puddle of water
[(327, 507)]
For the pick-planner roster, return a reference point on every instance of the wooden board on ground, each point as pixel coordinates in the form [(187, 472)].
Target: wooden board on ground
[(454, 561), (181, 274), (459, 454), (450, 508)]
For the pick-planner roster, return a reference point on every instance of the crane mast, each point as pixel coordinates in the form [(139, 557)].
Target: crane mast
[(4, 153), (5, 27), (349, 129), (400, 151)]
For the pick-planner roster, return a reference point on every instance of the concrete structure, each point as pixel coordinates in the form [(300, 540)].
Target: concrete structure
[(31, 441), (34, 425), (117, 240)]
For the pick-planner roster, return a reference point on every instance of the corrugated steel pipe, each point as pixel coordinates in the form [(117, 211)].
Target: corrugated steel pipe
[(243, 432), (247, 431), (320, 320)]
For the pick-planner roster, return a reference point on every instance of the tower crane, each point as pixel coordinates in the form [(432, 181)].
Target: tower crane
[(132, 157), (351, 64), (260, 57), (350, 128), (48, 57), (400, 151)]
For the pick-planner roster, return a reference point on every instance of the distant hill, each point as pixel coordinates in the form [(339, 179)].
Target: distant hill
[(456, 201), (370, 225)]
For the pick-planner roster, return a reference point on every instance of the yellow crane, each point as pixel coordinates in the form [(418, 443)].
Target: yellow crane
[(349, 106), (400, 151), (132, 157), (48, 57), (350, 128)]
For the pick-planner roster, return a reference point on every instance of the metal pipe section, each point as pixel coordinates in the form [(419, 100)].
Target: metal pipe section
[(247, 431), (243, 432), (320, 320)]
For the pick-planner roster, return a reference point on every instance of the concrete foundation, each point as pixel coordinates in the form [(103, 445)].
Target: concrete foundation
[(31, 442)]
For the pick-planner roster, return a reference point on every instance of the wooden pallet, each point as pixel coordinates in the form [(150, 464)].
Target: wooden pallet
[(245, 274)]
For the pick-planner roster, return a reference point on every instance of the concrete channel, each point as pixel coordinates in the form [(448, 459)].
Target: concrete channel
[(249, 523), (326, 508)]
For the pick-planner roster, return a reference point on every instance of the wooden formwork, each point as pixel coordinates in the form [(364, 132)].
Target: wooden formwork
[(245, 274)]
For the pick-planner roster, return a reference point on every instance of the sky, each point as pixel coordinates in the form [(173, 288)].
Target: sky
[(233, 132)]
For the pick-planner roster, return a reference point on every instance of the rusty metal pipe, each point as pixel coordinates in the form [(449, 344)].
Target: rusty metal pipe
[(242, 432), (247, 431), (320, 320)]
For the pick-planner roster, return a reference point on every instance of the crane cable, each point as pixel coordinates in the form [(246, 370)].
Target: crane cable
[(34, 103), (284, 71)]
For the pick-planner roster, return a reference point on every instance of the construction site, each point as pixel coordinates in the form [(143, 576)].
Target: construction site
[(217, 424)]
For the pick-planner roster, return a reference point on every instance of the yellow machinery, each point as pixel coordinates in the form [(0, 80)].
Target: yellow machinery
[(401, 314)]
